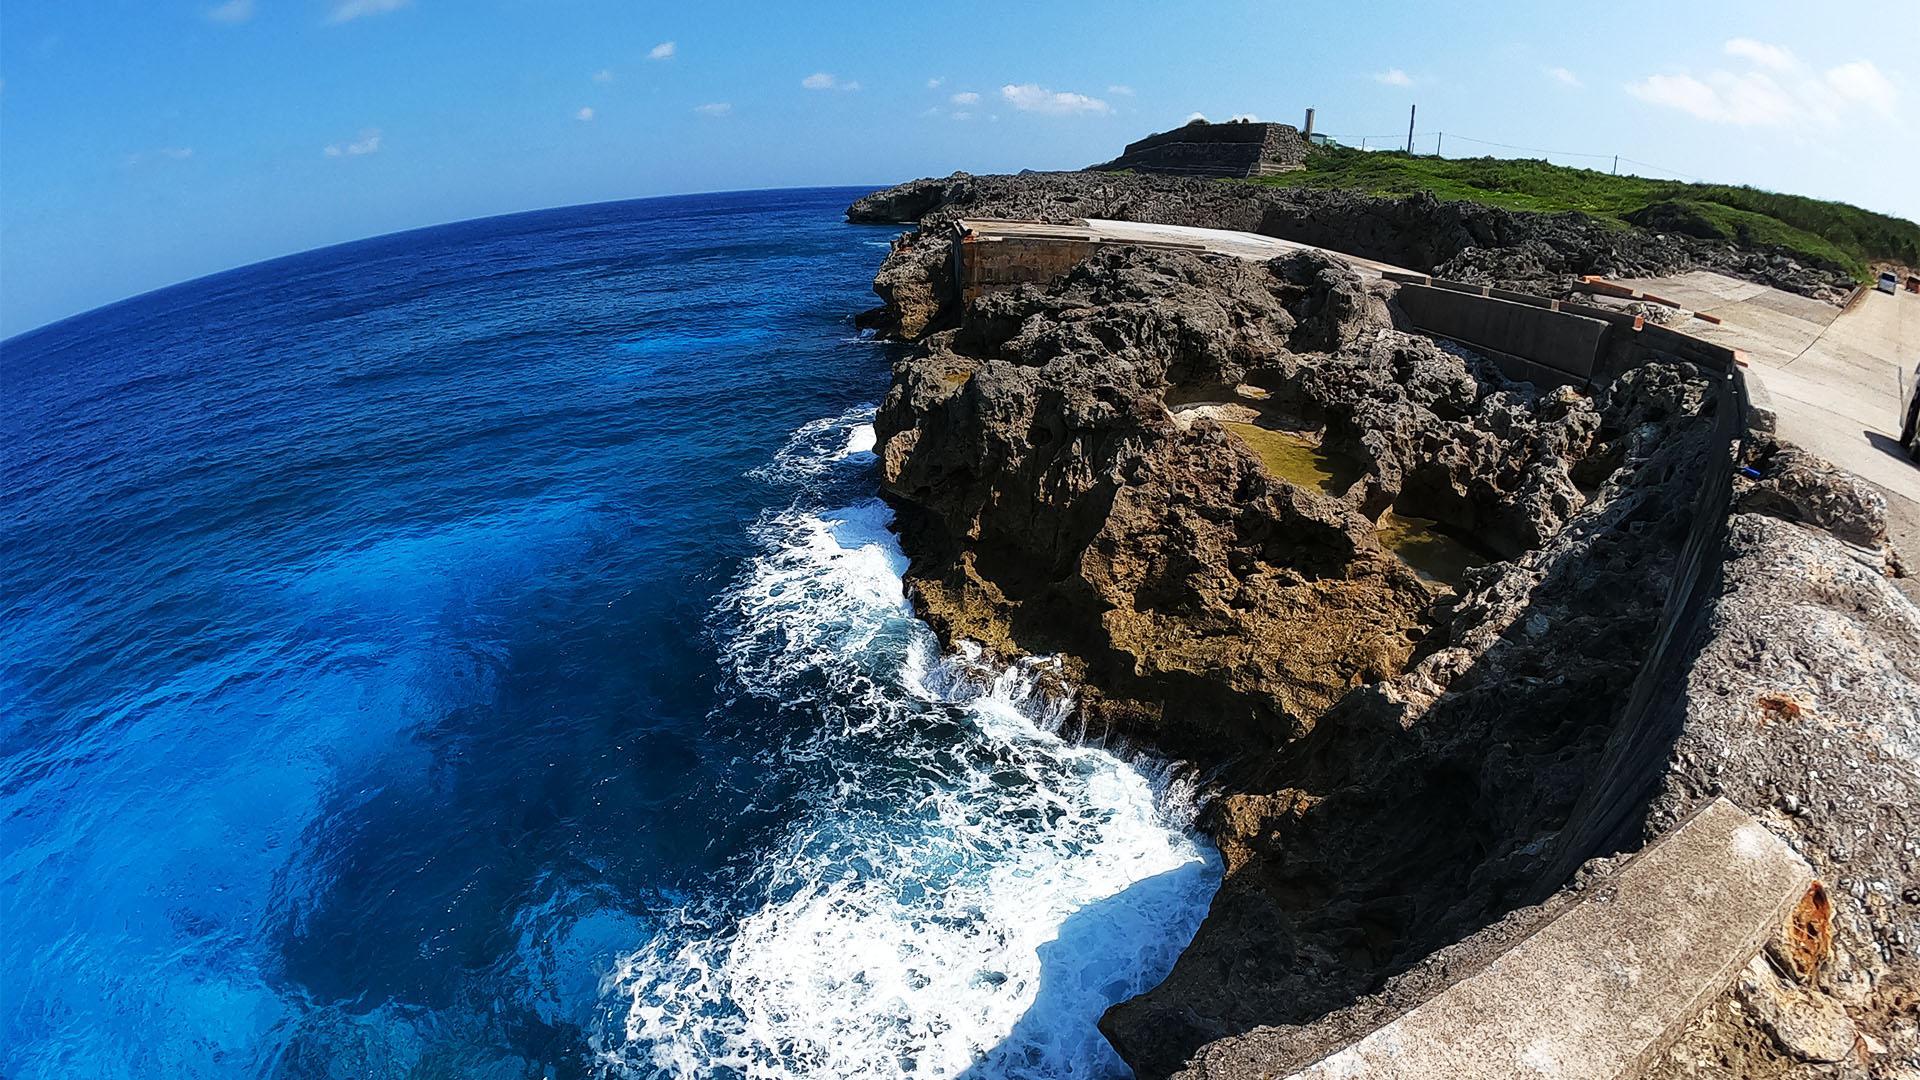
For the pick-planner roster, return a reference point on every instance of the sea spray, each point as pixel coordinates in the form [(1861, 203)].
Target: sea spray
[(965, 892)]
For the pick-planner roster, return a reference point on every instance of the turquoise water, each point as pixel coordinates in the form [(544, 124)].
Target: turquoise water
[(479, 652)]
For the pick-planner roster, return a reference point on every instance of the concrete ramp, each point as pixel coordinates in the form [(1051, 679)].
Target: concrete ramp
[(1595, 993)]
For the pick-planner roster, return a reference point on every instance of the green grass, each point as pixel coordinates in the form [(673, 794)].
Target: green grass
[(1835, 232)]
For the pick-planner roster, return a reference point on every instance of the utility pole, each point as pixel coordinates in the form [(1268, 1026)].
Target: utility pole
[(1411, 110), (1436, 143), (1616, 164)]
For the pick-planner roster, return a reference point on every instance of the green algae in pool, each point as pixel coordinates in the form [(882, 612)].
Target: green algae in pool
[(1295, 459), (1431, 553), (1416, 541)]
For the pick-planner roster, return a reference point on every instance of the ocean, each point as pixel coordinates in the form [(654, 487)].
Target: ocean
[(481, 652)]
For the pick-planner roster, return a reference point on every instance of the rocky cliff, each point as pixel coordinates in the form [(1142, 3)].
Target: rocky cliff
[(1214, 489)]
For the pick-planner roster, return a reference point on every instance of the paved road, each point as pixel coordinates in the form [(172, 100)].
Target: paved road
[(1836, 380)]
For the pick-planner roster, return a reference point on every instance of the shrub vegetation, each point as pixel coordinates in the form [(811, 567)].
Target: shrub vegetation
[(1811, 228)]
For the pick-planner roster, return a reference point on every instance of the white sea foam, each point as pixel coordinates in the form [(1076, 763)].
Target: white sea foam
[(860, 440), (820, 445), (966, 892)]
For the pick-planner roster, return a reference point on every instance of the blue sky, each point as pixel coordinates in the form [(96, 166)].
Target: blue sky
[(144, 142)]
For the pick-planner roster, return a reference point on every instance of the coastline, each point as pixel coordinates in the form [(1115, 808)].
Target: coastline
[(1392, 757)]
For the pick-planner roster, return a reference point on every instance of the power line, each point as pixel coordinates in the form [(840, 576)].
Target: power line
[(1394, 140), (1534, 149), (1663, 168)]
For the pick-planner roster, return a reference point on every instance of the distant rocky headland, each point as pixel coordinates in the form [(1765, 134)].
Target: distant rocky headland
[(1393, 604)]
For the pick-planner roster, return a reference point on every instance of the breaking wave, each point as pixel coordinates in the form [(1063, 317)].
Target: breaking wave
[(957, 890)]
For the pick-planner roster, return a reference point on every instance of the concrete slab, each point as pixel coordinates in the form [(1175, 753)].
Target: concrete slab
[(1243, 245), (1607, 984)]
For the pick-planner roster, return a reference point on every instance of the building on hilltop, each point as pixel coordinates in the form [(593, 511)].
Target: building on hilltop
[(1237, 149)]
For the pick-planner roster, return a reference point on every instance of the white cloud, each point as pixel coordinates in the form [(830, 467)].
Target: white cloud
[(1393, 77), (604, 76), (1777, 90), (1767, 56), (367, 143), (1191, 117), (1123, 91), (349, 10), (968, 98), (1248, 117), (934, 83), (585, 113), (666, 50), (170, 153), (821, 80), (1861, 81), (717, 108), (233, 11), (1563, 76), (1032, 97)]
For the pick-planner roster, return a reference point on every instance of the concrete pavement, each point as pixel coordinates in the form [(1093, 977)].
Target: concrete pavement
[(1251, 246), (1242, 245), (1835, 379)]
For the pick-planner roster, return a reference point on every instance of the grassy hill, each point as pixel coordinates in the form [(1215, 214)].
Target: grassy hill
[(1847, 235)]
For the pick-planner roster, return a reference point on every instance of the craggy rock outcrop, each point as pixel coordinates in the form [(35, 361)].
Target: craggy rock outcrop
[(1803, 706), (1389, 753), (1538, 253), (1052, 502)]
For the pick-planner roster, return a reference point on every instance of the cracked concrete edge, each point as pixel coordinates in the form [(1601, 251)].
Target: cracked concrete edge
[(1762, 417), (1507, 1041)]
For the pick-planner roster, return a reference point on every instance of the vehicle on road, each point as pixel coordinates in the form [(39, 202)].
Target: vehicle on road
[(1910, 426), (1889, 284)]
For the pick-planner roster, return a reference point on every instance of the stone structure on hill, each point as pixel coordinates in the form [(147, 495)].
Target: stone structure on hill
[(1198, 148)]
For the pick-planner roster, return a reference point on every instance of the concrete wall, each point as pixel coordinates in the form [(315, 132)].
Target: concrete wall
[(1537, 344), (1549, 342), (986, 264)]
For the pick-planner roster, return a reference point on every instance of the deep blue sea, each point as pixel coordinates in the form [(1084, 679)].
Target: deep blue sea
[(480, 652)]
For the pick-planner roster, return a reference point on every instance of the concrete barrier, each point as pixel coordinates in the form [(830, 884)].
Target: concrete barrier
[(1013, 253), (1565, 343), (1603, 988)]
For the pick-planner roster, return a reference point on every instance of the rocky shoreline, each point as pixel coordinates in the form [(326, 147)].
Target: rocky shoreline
[(1189, 477)]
